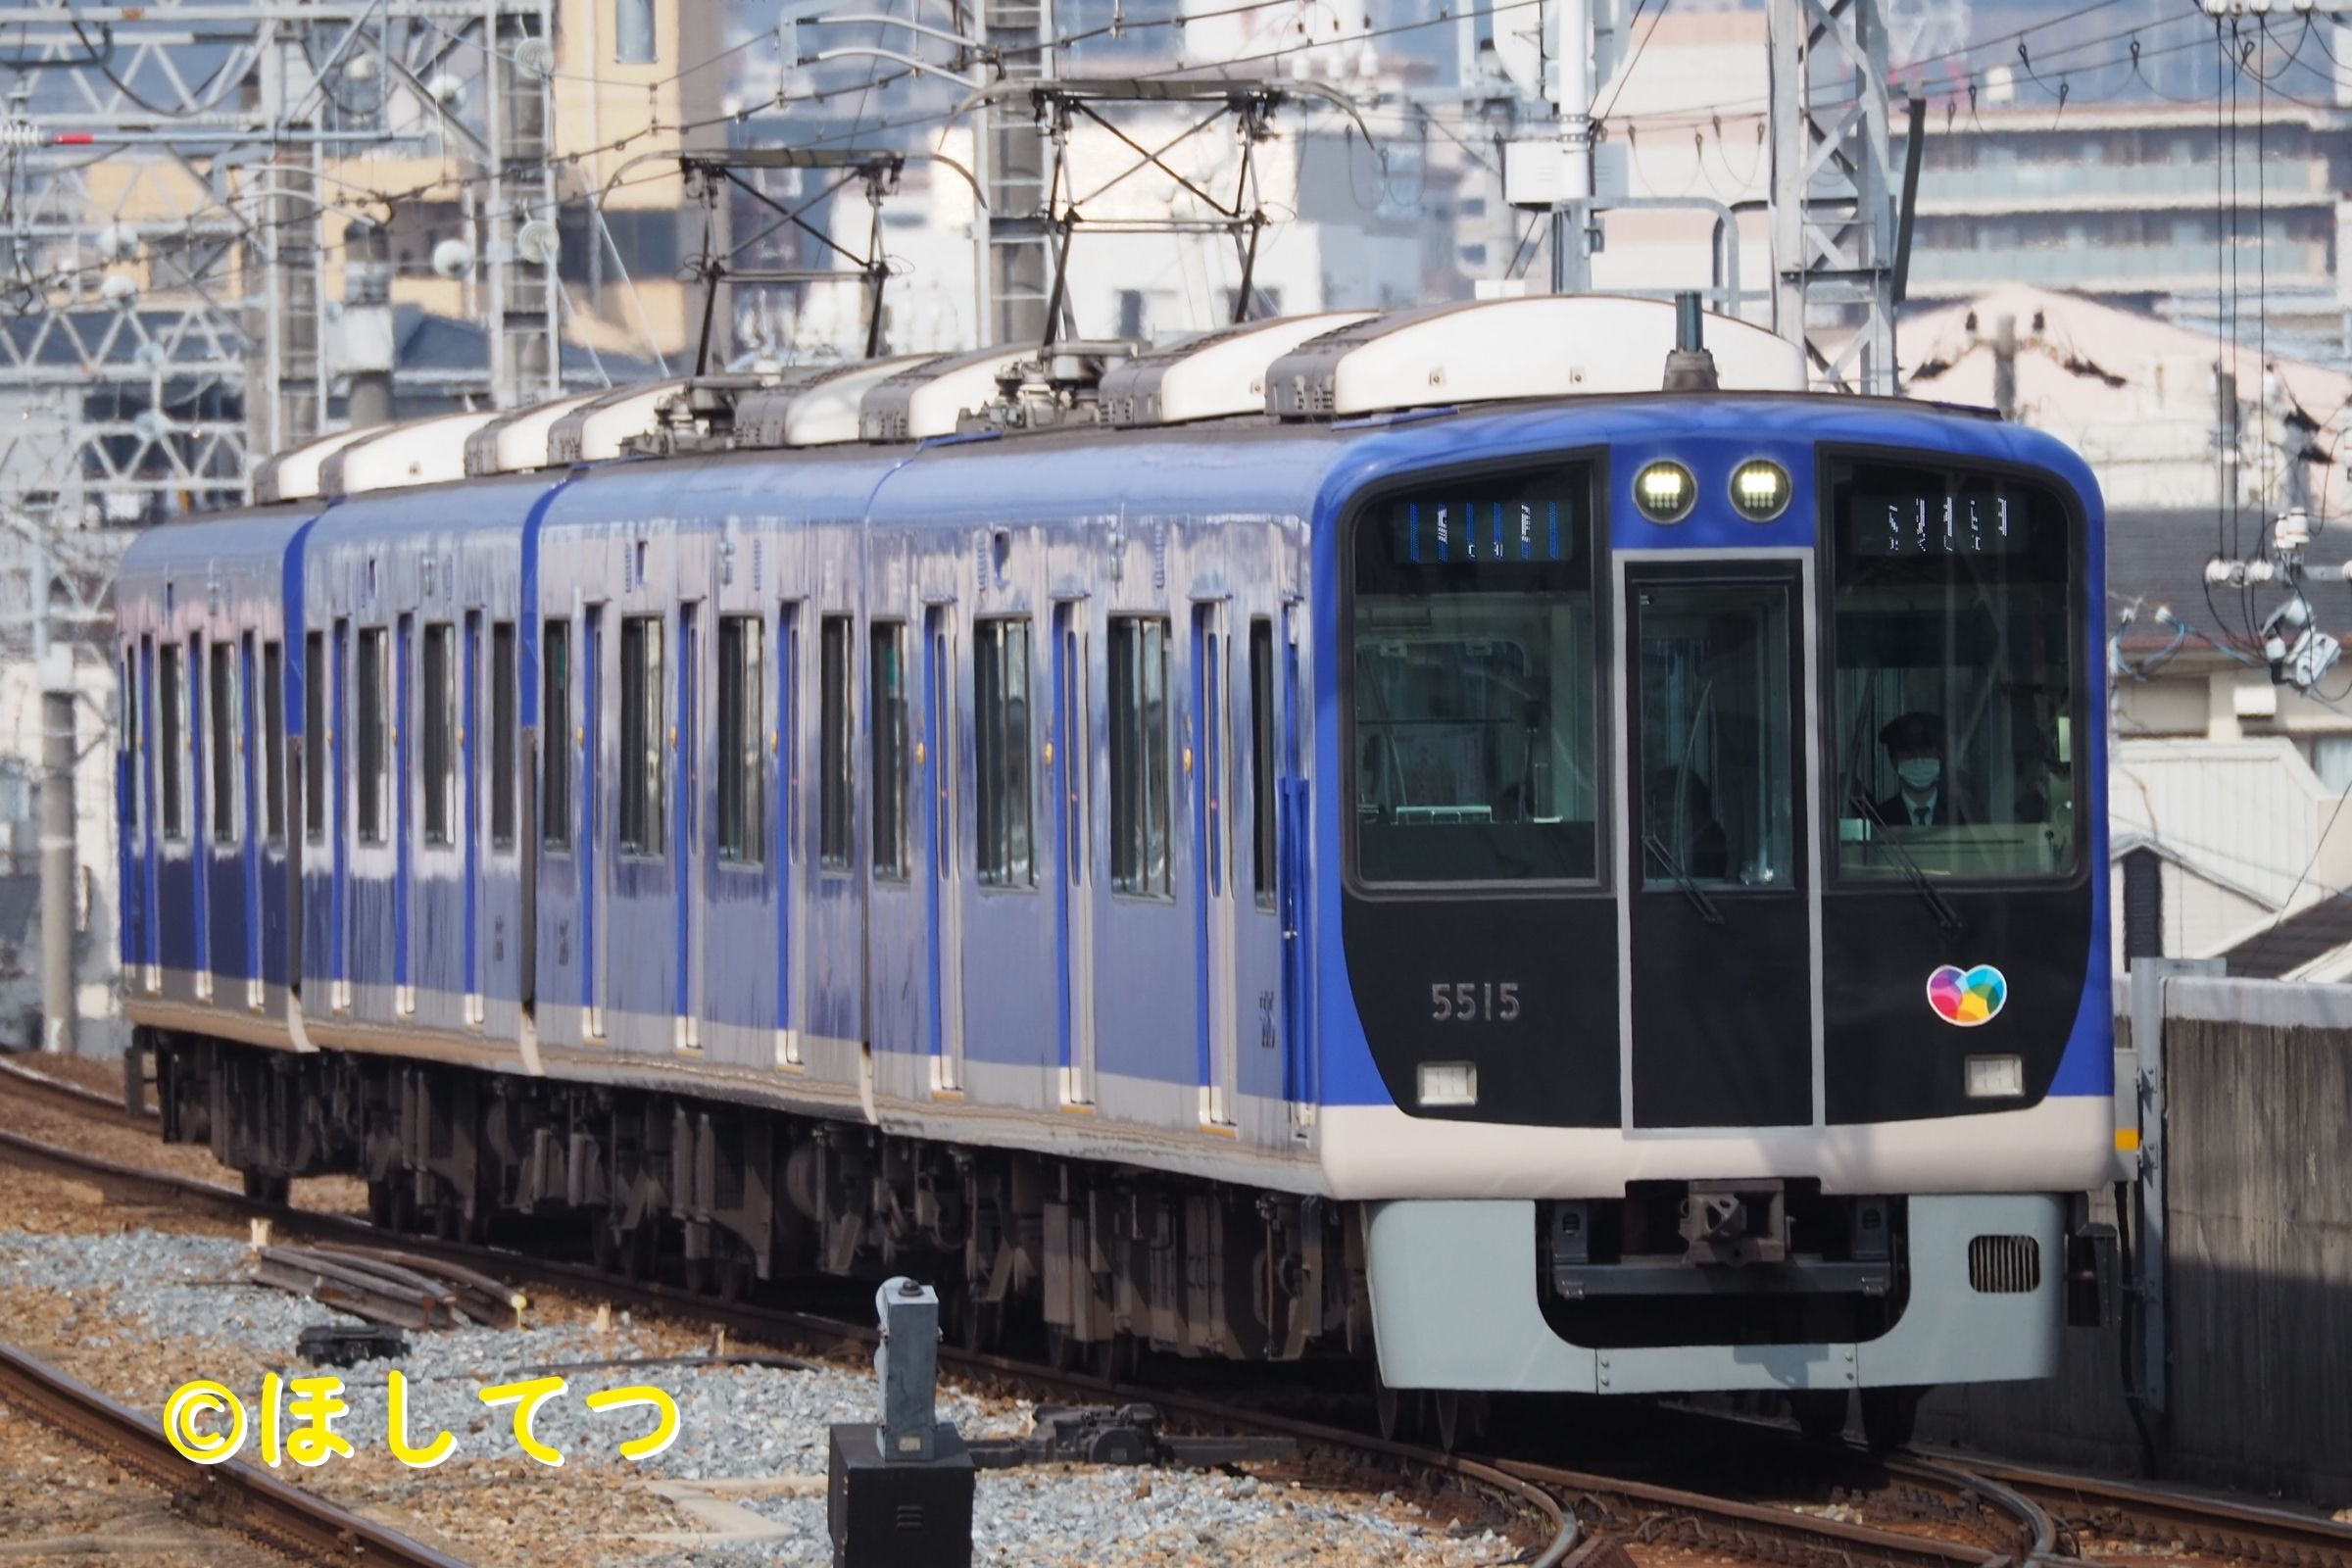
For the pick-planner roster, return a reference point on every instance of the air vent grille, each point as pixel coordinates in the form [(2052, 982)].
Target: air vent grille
[(2004, 1265)]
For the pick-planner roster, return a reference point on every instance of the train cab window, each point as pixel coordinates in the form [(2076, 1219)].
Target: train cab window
[(274, 748), (886, 673), (223, 751), (642, 736), (1139, 754), (834, 719), (374, 752), (742, 777), (314, 736), (1956, 672), (438, 695), (172, 715), (1473, 701), (502, 734), (554, 734), (1261, 761), (1000, 752)]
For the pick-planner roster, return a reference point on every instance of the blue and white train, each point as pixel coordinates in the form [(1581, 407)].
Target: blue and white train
[(1361, 833)]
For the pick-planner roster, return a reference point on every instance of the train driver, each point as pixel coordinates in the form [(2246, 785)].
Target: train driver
[(1928, 795)]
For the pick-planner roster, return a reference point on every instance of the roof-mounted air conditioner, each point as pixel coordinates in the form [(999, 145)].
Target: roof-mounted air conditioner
[(293, 474), (1551, 345), (516, 440), (396, 455), (926, 400), (593, 432), (1211, 375), (814, 404)]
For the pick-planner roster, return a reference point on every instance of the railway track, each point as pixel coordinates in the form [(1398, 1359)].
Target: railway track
[(236, 1496), (1971, 1517), (22, 1082)]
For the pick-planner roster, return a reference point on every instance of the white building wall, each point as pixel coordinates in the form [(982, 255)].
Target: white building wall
[(99, 1029)]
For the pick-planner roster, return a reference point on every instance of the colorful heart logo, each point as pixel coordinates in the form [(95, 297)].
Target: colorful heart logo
[(1967, 996)]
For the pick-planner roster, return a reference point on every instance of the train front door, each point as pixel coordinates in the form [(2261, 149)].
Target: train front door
[(1722, 947)]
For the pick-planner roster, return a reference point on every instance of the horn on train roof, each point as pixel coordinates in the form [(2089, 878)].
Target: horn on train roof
[(1547, 345)]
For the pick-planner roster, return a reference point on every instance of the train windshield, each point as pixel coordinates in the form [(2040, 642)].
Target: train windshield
[(1956, 669), (1473, 689)]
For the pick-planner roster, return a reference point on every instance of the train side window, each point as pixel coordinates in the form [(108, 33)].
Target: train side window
[(1001, 764), (171, 765), (834, 719), (222, 699), (1139, 754), (641, 735), (742, 804), (274, 749), (373, 752), (554, 734), (1261, 761), (885, 670), (440, 701), (314, 736), (502, 734)]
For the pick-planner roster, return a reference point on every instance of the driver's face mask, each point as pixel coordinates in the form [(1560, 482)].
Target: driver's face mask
[(1920, 772)]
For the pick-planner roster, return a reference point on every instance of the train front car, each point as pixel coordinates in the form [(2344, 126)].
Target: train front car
[(1719, 998)]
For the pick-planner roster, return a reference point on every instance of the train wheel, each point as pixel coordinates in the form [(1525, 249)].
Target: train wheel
[(604, 1246), (1889, 1417), (1114, 1359), (979, 1325), (1819, 1413), (699, 1273), (1460, 1418), (1063, 1349), (263, 1187), (1397, 1410), (389, 1204)]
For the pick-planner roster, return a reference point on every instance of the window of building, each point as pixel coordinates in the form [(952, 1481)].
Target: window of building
[(274, 748), (1261, 760), (1139, 754), (438, 697), (742, 778), (833, 738), (314, 735), (633, 33), (887, 702), (641, 735), (375, 751), (1001, 759), (220, 697), (502, 733), (554, 734), (170, 764)]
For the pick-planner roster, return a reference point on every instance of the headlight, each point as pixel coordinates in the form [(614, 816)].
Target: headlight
[(1665, 491), (1760, 490)]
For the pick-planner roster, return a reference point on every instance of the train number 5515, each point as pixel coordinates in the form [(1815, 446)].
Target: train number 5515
[(1474, 1002)]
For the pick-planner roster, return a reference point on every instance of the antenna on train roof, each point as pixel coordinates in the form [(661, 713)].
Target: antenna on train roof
[(1689, 367)]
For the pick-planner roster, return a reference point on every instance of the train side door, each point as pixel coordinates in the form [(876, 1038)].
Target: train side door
[(936, 766), (150, 889), (469, 763), (1070, 756), (785, 747), (403, 812), (339, 824), (685, 814), (1255, 774), (253, 757), (1208, 762), (1294, 901), (592, 822), (1716, 853)]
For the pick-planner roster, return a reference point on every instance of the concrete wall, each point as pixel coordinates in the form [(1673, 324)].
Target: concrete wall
[(2259, 1079)]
